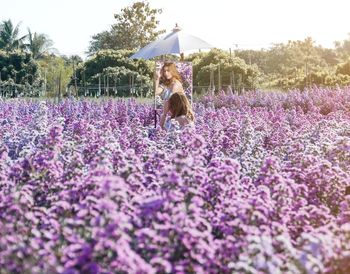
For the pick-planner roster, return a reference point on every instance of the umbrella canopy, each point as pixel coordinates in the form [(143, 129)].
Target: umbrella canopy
[(175, 42)]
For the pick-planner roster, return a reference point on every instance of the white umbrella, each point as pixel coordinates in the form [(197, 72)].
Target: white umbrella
[(175, 42)]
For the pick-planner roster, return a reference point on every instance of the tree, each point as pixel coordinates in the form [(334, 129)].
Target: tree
[(328, 55), (343, 48), (74, 61), (57, 72), (9, 39), (258, 57), (136, 27), (105, 59), (232, 69), (39, 45), (344, 68), (115, 68), (18, 69), (100, 41)]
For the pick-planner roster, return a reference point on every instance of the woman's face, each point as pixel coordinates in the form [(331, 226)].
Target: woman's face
[(167, 74)]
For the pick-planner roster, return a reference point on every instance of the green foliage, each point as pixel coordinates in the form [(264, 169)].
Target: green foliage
[(285, 59), (136, 26), (9, 39), (19, 74), (24, 61), (102, 40), (72, 60), (18, 67), (298, 79), (344, 68), (39, 45), (58, 73), (117, 66), (257, 57), (329, 56), (232, 69), (342, 48), (298, 64)]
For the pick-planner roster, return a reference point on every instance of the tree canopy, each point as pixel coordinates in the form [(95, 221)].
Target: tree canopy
[(39, 44), (9, 36), (136, 26)]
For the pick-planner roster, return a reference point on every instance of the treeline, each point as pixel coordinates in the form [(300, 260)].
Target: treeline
[(31, 66), (296, 64), (300, 64)]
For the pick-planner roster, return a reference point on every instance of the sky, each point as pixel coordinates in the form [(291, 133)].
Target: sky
[(236, 24)]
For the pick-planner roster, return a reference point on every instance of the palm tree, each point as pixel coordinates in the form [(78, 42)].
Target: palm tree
[(9, 40), (39, 45)]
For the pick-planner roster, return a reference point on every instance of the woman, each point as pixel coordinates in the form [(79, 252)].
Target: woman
[(180, 110), (171, 83)]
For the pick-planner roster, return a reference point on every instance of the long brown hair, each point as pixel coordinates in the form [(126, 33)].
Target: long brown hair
[(173, 71), (180, 105)]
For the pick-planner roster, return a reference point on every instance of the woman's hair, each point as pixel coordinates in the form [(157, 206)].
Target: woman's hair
[(173, 71), (180, 105)]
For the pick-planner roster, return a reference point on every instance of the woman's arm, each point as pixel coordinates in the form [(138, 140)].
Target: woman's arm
[(182, 121), (159, 88)]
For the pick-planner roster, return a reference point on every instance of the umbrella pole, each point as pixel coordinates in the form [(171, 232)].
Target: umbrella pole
[(155, 118), (154, 89)]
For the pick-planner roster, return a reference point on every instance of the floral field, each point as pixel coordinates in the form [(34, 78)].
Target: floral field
[(258, 186)]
